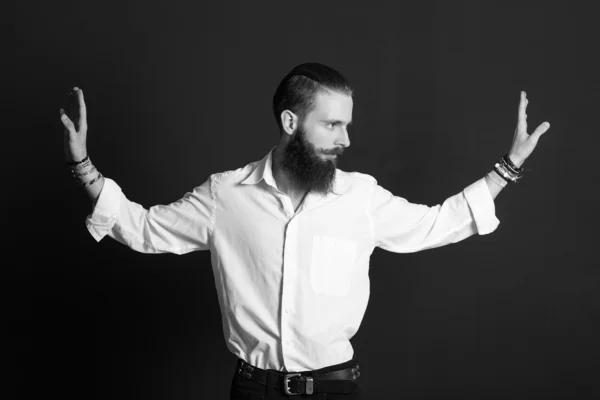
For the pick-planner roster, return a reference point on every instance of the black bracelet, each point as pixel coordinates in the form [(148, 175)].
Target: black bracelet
[(499, 172), (510, 164), (78, 162)]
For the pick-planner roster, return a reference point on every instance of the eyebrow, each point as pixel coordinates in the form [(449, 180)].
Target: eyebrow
[(336, 121)]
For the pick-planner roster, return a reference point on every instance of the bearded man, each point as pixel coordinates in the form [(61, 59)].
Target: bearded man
[(291, 236)]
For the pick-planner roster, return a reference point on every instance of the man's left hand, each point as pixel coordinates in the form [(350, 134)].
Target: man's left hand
[(523, 144)]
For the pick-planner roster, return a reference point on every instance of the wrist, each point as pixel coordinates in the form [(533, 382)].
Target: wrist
[(84, 172), (76, 156), (516, 160), (496, 179)]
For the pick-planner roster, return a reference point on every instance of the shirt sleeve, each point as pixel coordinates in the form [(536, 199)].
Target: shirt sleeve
[(180, 227), (403, 227)]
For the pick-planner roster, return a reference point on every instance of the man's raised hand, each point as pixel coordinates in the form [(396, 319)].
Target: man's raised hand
[(523, 144), (75, 137)]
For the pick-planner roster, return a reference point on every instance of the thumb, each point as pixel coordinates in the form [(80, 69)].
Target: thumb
[(540, 130)]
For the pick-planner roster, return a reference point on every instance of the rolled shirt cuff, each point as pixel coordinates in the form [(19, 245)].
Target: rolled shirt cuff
[(104, 213), (482, 206)]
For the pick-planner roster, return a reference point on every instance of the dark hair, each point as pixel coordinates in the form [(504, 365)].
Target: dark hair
[(297, 91)]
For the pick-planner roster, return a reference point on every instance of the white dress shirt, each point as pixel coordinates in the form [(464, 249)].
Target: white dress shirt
[(293, 287)]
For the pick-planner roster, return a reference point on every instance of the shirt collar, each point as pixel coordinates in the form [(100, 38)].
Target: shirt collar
[(263, 170)]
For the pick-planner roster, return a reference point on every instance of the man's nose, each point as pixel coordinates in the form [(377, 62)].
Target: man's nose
[(344, 139)]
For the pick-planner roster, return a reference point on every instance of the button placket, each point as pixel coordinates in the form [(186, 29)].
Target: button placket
[(288, 289)]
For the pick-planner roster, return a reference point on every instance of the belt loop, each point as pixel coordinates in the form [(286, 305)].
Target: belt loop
[(249, 368)]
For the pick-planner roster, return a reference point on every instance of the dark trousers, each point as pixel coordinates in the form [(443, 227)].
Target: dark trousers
[(245, 389)]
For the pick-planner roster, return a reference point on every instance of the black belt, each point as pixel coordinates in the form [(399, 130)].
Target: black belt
[(305, 382)]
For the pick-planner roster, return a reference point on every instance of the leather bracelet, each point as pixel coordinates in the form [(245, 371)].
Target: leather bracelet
[(502, 172), (508, 167), (511, 165)]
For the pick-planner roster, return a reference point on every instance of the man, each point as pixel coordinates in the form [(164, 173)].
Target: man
[(291, 235)]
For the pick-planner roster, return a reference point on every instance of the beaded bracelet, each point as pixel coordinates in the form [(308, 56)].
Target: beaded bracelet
[(80, 180), (81, 166), (96, 179), (79, 175), (78, 162)]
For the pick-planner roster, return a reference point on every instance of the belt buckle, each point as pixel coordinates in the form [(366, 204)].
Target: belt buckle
[(309, 384)]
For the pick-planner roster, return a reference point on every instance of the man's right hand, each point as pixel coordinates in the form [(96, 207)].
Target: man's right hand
[(75, 137), (75, 146)]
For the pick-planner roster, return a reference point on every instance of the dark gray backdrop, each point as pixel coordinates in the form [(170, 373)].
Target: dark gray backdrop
[(179, 90)]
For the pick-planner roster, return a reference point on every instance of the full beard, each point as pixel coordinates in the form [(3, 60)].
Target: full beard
[(304, 168)]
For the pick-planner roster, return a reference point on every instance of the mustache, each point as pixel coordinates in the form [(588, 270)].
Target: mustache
[(338, 152)]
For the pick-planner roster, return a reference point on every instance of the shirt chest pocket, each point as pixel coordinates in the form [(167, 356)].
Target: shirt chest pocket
[(331, 265)]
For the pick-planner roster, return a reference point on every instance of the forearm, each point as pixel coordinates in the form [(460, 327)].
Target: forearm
[(494, 187), (494, 182), (94, 189)]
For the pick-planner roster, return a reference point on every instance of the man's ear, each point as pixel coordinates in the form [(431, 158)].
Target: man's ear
[(289, 120)]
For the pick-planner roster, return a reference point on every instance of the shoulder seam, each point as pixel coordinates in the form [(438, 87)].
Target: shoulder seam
[(215, 179)]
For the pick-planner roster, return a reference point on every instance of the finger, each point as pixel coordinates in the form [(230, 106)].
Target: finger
[(539, 131), (67, 122), (82, 108), (522, 122)]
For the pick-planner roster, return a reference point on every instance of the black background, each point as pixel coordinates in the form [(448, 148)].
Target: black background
[(179, 90)]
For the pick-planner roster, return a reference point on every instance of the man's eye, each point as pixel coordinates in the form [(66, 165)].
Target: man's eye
[(331, 126)]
